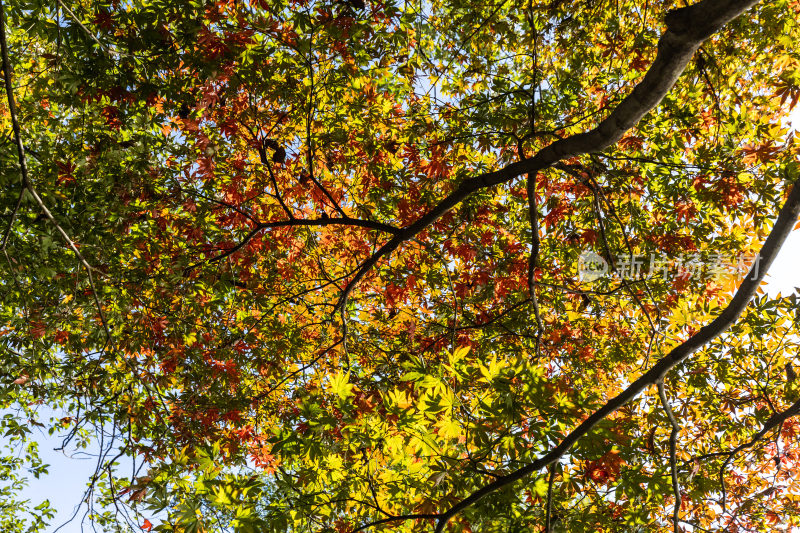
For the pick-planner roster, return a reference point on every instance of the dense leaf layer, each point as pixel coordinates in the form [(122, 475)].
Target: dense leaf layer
[(317, 266)]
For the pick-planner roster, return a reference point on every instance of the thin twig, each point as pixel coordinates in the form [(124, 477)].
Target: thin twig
[(23, 165), (12, 219), (91, 35), (776, 419)]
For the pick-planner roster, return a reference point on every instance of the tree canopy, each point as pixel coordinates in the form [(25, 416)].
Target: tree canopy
[(370, 265)]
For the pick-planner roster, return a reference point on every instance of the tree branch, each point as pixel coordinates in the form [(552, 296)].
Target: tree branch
[(673, 462), (783, 225), (533, 258), (549, 505), (399, 518), (775, 420), (687, 28), (298, 222)]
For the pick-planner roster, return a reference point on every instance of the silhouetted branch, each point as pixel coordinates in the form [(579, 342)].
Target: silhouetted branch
[(673, 463), (549, 505), (775, 420), (687, 28), (294, 223)]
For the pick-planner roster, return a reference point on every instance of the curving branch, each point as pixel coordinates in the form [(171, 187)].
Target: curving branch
[(780, 231), (783, 225), (673, 461), (687, 29), (21, 157), (533, 258)]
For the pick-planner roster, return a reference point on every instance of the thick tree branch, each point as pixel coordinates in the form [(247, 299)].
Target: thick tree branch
[(709, 332), (687, 28)]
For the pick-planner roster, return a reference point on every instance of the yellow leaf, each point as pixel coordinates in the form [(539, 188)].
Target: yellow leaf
[(340, 385)]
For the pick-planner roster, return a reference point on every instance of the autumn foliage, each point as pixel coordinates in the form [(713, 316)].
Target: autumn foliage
[(314, 266)]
